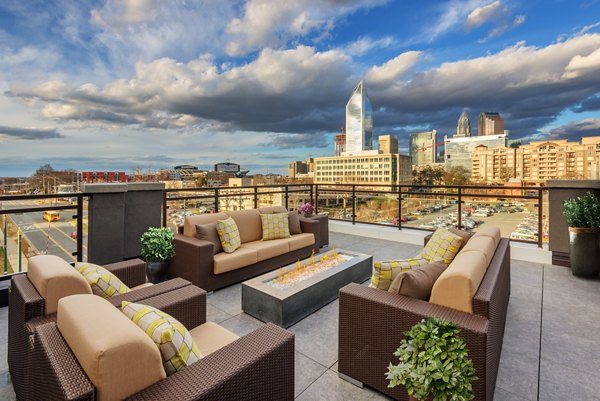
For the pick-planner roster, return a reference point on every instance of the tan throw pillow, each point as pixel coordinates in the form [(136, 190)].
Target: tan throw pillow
[(443, 245), (294, 220), (229, 234), (208, 232), (417, 283), (275, 226), (385, 272), (466, 236)]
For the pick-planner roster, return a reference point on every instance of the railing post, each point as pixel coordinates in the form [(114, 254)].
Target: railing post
[(164, 208), (316, 195), (80, 228), (353, 204), (5, 245), (399, 208), (540, 219), (255, 197), (311, 197), (459, 208), (287, 197), (216, 200)]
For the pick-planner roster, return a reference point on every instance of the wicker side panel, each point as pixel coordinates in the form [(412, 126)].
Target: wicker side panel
[(187, 304), (55, 372), (257, 367), (24, 304), (148, 292), (131, 272), (372, 323), (492, 300)]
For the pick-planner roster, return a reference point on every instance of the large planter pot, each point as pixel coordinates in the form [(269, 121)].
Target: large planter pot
[(157, 271), (584, 246)]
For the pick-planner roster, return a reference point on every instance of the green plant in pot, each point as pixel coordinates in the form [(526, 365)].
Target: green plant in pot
[(157, 250), (583, 218), (434, 363)]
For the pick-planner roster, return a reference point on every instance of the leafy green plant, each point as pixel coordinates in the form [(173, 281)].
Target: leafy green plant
[(583, 211), (433, 363), (157, 244)]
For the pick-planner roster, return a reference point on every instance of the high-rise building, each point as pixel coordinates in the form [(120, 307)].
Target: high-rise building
[(340, 144), (422, 147), (359, 121), (463, 127), (490, 124), (458, 151), (388, 144), (539, 161)]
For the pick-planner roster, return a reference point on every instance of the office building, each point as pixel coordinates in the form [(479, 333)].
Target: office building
[(340, 144), (388, 144), (539, 161), (359, 121), (297, 167), (458, 150), (463, 128), (490, 124), (423, 148)]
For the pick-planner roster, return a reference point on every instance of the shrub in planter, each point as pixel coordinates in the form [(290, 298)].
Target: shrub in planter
[(434, 363), (157, 250), (583, 217)]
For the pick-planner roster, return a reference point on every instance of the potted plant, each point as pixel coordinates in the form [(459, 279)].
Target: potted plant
[(434, 363), (157, 250), (307, 209), (583, 217)]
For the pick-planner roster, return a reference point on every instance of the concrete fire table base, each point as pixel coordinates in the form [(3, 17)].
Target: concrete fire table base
[(286, 306)]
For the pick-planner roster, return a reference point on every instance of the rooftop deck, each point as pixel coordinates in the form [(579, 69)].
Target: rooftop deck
[(550, 344)]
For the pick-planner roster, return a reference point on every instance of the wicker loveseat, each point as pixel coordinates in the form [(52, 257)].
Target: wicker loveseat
[(196, 261), (67, 364), (34, 297), (372, 321)]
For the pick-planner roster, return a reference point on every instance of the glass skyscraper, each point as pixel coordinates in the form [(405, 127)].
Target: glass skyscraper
[(359, 121)]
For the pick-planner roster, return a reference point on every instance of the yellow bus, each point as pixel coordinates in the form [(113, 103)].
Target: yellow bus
[(51, 215)]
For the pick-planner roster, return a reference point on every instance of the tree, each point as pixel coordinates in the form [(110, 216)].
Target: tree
[(515, 144), (428, 175), (457, 175)]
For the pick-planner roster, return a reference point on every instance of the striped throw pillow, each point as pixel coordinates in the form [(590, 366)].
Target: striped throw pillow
[(229, 234), (443, 246), (275, 226), (385, 272), (103, 282)]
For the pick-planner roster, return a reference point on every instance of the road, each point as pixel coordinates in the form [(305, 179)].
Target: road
[(53, 238)]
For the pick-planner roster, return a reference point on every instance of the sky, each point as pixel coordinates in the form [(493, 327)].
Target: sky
[(123, 85)]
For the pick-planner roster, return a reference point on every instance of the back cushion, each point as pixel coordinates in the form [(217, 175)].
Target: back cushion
[(492, 232), (54, 279), (249, 224), (189, 225), (484, 245), (272, 209), (118, 357), (457, 285)]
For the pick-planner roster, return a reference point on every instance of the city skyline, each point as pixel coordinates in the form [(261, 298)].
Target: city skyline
[(124, 84)]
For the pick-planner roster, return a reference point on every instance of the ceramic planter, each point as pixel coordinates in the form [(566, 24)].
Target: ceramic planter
[(157, 271), (584, 246)]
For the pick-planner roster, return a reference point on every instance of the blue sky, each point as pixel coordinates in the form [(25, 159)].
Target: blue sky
[(148, 84)]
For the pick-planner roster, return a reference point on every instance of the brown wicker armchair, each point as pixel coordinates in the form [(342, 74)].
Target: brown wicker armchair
[(258, 366), (27, 311), (372, 323)]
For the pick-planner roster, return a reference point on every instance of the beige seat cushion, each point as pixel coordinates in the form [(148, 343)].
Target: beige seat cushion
[(492, 232), (299, 241), (249, 224), (210, 337), (269, 249), (118, 357), (54, 279), (189, 225), (242, 257), (458, 284), (483, 244)]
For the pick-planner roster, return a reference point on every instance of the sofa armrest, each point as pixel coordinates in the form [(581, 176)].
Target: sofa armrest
[(372, 323), (55, 373), (193, 259), (313, 226), (259, 366), (139, 295), (131, 272)]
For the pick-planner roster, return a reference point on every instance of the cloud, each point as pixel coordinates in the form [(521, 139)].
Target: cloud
[(481, 15), (504, 27), (393, 69), (587, 127), (366, 44), (589, 104), (270, 24), (452, 14), (29, 133), (295, 141)]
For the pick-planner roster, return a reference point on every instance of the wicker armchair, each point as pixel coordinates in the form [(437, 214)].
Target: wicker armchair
[(258, 366), (27, 311), (372, 323)]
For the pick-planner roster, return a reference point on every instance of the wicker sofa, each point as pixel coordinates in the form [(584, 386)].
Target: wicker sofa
[(372, 321), (196, 261), (34, 297), (67, 366)]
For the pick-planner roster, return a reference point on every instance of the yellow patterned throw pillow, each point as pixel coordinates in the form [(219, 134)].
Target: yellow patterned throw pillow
[(443, 246), (174, 341), (229, 234), (385, 272), (103, 282), (276, 225)]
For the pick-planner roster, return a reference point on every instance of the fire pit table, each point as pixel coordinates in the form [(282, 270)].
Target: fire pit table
[(287, 295)]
